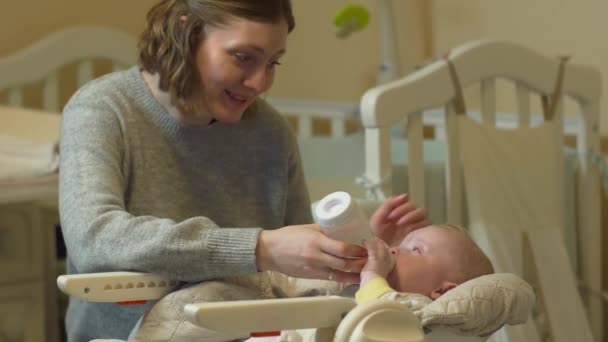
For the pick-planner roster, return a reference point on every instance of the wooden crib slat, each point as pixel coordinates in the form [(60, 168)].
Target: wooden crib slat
[(453, 172), (571, 236), (549, 255), (523, 105), (488, 101), (415, 139), (50, 93), (304, 127), (558, 117), (15, 97), (85, 72), (589, 211), (378, 162), (338, 128)]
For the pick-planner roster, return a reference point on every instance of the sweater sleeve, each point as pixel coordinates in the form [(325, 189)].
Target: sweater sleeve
[(374, 289), (101, 235)]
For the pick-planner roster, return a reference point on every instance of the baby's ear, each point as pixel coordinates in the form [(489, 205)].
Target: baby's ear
[(444, 287)]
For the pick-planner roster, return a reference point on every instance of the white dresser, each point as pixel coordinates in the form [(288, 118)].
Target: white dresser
[(28, 300)]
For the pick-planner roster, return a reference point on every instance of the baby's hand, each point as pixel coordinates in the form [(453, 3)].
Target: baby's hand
[(395, 218), (380, 261)]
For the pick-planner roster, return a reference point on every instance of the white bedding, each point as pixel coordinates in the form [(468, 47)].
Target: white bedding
[(21, 157)]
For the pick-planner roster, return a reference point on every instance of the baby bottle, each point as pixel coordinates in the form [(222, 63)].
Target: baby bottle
[(341, 218)]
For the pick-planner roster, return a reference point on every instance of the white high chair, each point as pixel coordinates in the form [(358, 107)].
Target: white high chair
[(333, 317), (258, 317)]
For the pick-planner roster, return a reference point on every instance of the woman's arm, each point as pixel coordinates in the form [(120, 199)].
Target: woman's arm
[(102, 235)]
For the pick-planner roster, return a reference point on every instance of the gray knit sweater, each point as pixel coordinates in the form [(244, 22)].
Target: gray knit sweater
[(140, 192)]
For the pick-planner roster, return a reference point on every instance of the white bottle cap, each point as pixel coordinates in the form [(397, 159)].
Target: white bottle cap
[(335, 209)]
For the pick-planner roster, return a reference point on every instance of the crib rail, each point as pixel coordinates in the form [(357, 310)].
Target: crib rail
[(305, 110), (42, 62)]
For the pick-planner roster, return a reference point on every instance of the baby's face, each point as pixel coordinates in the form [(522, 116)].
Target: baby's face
[(422, 260)]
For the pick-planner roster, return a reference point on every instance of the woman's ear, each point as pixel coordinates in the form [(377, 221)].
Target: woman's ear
[(444, 287)]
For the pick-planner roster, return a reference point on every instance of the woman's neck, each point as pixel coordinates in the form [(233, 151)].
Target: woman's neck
[(153, 81)]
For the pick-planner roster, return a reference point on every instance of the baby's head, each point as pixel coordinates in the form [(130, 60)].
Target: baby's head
[(435, 259)]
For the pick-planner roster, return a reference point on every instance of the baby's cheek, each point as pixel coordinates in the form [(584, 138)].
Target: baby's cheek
[(393, 279)]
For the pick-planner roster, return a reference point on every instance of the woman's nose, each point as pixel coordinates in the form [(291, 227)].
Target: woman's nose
[(260, 81)]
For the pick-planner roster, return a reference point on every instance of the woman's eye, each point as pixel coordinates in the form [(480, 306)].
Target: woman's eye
[(243, 58)]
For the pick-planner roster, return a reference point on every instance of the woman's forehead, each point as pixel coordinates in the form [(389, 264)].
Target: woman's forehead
[(267, 36)]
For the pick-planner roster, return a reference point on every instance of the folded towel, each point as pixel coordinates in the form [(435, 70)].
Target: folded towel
[(21, 158)]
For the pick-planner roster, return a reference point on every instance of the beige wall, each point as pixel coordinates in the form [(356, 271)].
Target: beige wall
[(553, 27), (22, 22), (318, 65)]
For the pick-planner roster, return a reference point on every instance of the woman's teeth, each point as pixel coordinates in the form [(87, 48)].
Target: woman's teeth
[(236, 97)]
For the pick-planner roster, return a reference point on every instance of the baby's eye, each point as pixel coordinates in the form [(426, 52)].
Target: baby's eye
[(416, 250)]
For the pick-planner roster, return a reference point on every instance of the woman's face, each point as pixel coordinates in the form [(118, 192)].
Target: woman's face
[(236, 63)]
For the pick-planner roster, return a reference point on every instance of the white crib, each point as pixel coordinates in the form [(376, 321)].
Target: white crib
[(437, 171), (542, 197)]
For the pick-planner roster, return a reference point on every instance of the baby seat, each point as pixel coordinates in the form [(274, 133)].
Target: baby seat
[(405, 317)]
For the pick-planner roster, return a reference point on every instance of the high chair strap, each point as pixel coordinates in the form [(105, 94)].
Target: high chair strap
[(550, 102), (458, 100)]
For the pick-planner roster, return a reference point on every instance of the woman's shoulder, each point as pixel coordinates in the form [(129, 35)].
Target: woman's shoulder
[(262, 107), (270, 116), (271, 121), (106, 88), (104, 101)]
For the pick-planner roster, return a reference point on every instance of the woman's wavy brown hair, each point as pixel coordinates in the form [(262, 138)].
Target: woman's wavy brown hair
[(168, 43)]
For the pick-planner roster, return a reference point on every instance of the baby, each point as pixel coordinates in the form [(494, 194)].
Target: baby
[(428, 261)]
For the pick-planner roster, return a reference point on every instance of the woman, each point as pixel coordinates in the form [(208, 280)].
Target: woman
[(176, 167)]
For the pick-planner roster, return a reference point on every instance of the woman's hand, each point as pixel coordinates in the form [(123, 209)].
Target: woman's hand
[(397, 217), (303, 251), (380, 261)]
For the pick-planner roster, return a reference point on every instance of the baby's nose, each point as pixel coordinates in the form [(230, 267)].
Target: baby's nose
[(394, 250)]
